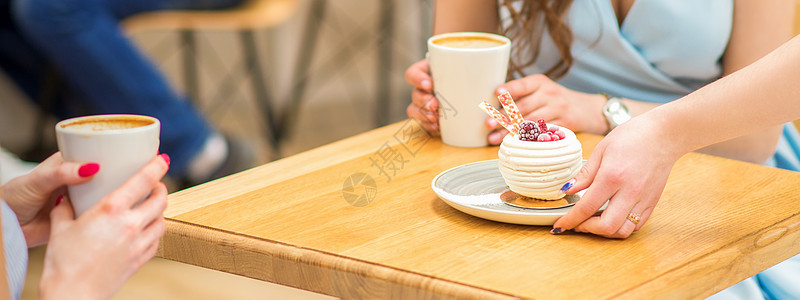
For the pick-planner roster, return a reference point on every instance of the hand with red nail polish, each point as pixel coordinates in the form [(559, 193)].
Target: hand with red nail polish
[(32, 196), (96, 253)]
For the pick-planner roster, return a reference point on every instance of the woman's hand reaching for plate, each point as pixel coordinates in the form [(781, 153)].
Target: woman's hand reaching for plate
[(628, 169)]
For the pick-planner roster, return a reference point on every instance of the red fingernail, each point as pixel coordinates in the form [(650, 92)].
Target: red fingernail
[(165, 157), (89, 169), (59, 199)]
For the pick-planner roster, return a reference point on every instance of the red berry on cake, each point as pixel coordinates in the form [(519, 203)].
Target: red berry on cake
[(528, 131), (539, 132), (545, 137), (560, 134), (542, 125)]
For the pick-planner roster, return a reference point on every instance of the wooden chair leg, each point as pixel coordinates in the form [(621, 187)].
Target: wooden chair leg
[(260, 90), (190, 77), (303, 63), (384, 71)]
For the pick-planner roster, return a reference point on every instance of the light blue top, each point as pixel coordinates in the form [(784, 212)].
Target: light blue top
[(16, 250), (663, 50)]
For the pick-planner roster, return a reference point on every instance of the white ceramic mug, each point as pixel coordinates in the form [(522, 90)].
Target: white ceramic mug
[(120, 144), (466, 68)]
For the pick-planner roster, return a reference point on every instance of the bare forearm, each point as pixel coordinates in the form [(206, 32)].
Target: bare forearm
[(759, 27), (758, 96), (755, 148), (465, 15)]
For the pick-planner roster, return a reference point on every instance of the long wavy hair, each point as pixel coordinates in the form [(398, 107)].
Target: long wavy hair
[(527, 28)]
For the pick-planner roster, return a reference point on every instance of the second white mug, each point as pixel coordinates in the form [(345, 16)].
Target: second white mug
[(466, 68)]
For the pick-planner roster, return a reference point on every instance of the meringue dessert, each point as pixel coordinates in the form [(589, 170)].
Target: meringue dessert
[(536, 160), (540, 160)]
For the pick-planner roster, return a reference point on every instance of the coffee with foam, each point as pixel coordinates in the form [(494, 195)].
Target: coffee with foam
[(103, 123), (468, 42)]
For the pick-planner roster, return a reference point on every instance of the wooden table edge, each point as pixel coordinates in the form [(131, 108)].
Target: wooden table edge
[(782, 235), (219, 250), (304, 268)]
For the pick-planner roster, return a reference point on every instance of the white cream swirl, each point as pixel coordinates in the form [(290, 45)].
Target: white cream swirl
[(540, 169)]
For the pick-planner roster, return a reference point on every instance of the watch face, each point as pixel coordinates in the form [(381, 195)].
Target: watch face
[(616, 112), (621, 118)]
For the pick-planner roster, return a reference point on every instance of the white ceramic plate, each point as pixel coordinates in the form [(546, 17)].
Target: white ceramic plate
[(475, 189)]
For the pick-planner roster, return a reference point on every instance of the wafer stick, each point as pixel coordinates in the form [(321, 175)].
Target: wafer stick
[(499, 117), (511, 109)]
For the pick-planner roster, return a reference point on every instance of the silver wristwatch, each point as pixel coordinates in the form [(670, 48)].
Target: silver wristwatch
[(615, 112)]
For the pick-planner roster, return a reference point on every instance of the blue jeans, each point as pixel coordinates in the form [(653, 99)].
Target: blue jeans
[(82, 39)]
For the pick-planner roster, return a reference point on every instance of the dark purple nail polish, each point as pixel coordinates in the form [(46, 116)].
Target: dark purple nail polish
[(567, 186), (556, 230)]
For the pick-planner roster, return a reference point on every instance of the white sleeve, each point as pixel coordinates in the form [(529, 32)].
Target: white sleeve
[(11, 166)]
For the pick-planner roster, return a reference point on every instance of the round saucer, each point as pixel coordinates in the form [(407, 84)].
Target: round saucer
[(475, 189)]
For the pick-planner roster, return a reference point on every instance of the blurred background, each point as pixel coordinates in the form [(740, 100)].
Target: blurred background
[(331, 68)]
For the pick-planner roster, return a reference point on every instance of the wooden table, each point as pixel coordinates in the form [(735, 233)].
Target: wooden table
[(299, 222)]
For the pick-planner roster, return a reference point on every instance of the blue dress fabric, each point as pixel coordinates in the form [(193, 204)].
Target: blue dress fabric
[(16, 251), (103, 68), (663, 50)]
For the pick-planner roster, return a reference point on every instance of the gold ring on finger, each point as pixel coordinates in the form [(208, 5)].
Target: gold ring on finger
[(634, 218)]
